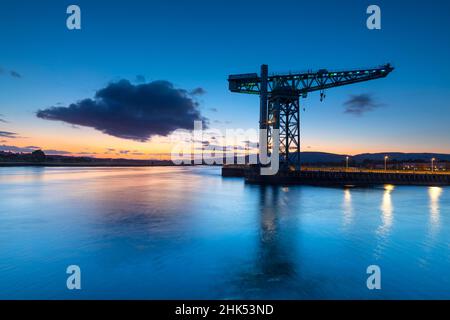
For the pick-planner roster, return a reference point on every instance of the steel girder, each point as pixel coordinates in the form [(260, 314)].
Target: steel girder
[(302, 83)]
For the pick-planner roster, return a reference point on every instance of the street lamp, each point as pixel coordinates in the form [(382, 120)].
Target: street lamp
[(385, 162), (346, 162), (432, 164)]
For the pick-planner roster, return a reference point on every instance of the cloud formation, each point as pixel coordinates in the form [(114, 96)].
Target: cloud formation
[(15, 74), (56, 152), (7, 134), (30, 149), (12, 73), (198, 92), (135, 112), (16, 149), (360, 104), (140, 78)]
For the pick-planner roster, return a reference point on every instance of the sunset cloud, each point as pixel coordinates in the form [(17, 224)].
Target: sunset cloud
[(7, 134), (29, 149), (135, 112), (360, 104)]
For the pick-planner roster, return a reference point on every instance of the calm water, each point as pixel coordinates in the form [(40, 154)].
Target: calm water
[(188, 233)]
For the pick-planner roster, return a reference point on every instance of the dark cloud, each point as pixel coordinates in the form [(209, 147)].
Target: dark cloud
[(198, 91), (15, 74), (16, 149), (7, 134), (56, 152), (2, 120), (30, 149), (86, 153), (140, 78), (135, 112), (12, 73), (4, 147), (360, 104), (250, 144)]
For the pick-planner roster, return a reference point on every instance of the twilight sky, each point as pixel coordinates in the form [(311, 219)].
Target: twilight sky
[(139, 69)]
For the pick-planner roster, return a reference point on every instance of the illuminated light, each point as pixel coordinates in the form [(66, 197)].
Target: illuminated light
[(434, 193), (348, 208), (387, 210)]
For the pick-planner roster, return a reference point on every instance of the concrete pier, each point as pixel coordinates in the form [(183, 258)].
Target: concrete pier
[(333, 177)]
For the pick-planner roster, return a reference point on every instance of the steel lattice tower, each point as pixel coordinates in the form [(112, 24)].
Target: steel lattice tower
[(280, 101)]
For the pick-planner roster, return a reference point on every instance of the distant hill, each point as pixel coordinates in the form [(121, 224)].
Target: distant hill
[(323, 157), (307, 158), (399, 156)]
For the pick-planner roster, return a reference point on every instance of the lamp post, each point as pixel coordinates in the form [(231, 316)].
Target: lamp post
[(385, 162), (432, 164), (346, 162)]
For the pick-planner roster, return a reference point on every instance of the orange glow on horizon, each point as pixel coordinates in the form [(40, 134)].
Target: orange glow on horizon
[(91, 143)]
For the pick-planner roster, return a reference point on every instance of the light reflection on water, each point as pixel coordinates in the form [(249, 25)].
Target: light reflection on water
[(387, 210), (179, 232), (347, 207), (435, 193)]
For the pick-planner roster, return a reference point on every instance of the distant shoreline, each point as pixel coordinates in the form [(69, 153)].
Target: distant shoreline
[(50, 164)]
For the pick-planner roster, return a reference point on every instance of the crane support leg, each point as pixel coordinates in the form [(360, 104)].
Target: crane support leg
[(284, 113)]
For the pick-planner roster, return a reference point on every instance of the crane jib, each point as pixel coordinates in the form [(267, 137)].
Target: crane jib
[(306, 82)]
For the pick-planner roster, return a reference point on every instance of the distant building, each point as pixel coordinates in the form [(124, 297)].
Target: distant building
[(426, 166)]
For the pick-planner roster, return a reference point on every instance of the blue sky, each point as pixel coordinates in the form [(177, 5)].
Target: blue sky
[(199, 43)]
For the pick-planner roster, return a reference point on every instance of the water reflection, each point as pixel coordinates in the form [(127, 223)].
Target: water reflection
[(434, 194), (347, 207), (387, 210), (186, 233), (387, 217), (274, 265)]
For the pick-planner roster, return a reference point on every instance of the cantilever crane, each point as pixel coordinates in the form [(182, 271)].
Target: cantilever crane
[(280, 100)]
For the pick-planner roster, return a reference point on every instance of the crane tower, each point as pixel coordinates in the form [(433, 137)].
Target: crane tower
[(280, 101)]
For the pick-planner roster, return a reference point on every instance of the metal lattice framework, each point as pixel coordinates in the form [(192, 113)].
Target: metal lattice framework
[(283, 113), (280, 100)]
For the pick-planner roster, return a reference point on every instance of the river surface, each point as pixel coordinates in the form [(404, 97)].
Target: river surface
[(188, 233)]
